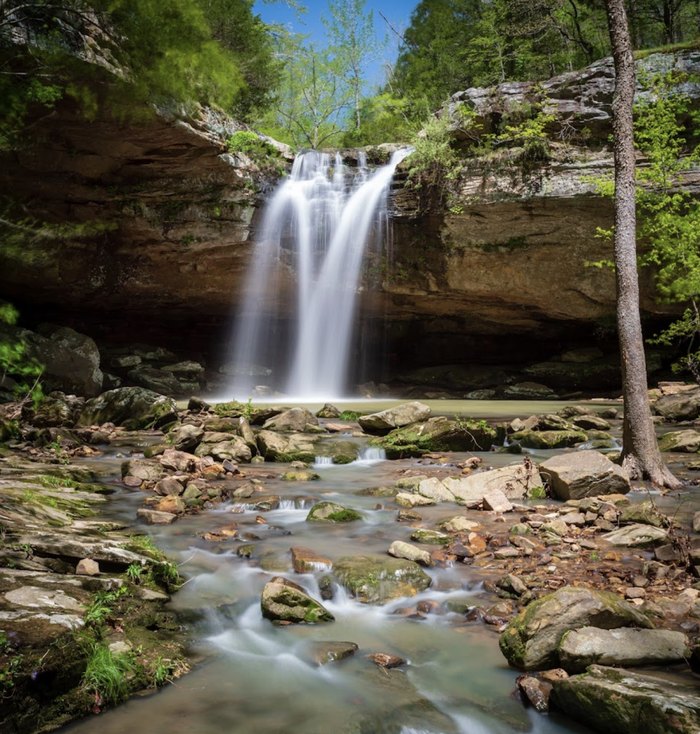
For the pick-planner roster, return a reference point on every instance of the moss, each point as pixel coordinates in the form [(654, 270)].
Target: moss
[(345, 515), (537, 493)]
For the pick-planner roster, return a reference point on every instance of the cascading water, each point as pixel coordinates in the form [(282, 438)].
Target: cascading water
[(317, 224)]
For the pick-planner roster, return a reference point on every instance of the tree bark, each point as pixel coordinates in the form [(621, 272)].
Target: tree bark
[(640, 452)]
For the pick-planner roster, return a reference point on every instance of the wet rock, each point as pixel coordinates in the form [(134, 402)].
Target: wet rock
[(56, 409), (154, 517), (186, 437), (275, 447), (386, 660), (584, 474), (549, 439), (377, 580), (459, 524), (636, 536), (687, 441), (590, 422), (406, 499), (645, 513), (513, 586), (408, 516), (294, 420), (379, 424), (322, 652), (682, 406), (435, 435), (306, 560), (328, 411), (610, 699), (171, 504), (168, 486), (132, 407), (535, 692), (180, 461), (531, 640), (332, 512), (232, 448), (515, 481), (528, 391), (399, 549), (300, 475), (430, 537), (285, 601), (146, 471), (621, 647)]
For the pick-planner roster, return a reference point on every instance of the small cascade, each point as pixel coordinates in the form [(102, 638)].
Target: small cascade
[(372, 455), (321, 462), (315, 231)]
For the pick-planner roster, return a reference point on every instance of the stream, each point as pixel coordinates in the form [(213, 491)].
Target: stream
[(258, 677)]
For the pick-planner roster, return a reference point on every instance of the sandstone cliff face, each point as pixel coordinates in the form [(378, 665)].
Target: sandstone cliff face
[(503, 271)]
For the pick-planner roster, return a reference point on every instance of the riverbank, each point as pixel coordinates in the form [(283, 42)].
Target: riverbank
[(229, 522)]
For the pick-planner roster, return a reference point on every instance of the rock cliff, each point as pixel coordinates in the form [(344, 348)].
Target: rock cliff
[(504, 270)]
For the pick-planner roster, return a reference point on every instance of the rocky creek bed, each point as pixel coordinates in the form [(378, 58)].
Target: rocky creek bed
[(327, 589)]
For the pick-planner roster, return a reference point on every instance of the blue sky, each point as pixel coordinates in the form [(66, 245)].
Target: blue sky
[(398, 13)]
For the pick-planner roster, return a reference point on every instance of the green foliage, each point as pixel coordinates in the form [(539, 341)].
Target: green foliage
[(15, 364), (349, 415), (165, 574), (669, 214), (258, 149), (102, 606), (107, 674), (529, 132), (134, 572)]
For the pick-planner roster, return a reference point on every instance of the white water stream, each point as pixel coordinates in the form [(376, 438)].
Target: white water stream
[(317, 224)]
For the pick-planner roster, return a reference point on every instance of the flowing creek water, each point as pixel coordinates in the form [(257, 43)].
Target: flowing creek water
[(258, 677)]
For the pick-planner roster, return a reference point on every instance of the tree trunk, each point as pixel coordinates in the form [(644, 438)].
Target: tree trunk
[(640, 451)]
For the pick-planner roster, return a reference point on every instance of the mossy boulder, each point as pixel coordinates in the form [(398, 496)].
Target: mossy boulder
[(437, 434), (292, 447), (531, 640), (284, 601), (379, 424), (615, 700), (374, 580), (132, 407), (430, 537), (549, 439), (687, 441), (332, 512)]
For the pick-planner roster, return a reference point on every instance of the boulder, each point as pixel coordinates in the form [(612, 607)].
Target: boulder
[(437, 434), (56, 409), (71, 360), (132, 407), (379, 424), (294, 420), (582, 474), (637, 535), (406, 499), (681, 406), (646, 513), (185, 437), (528, 391), (531, 640), (614, 700), (377, 580), (399, 549), (548, 439), (515, 481), (459, 524), (332, 512), (294, 447), (233, 448), (328, 411), (158, 380), (687, 441), (143, 469), (154, 517), (621, 647), (284, 601), (430, 537), (590, 422)]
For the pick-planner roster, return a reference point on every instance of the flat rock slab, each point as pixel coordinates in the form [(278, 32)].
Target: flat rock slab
[(514, 481), (322, 652), (374, 580), (379, 424), (580, 474), (615, 700), (621, 647), (306, 560), (637, 535), (400, 549)]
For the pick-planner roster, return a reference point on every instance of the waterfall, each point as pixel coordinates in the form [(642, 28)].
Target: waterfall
[(315, 230)]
